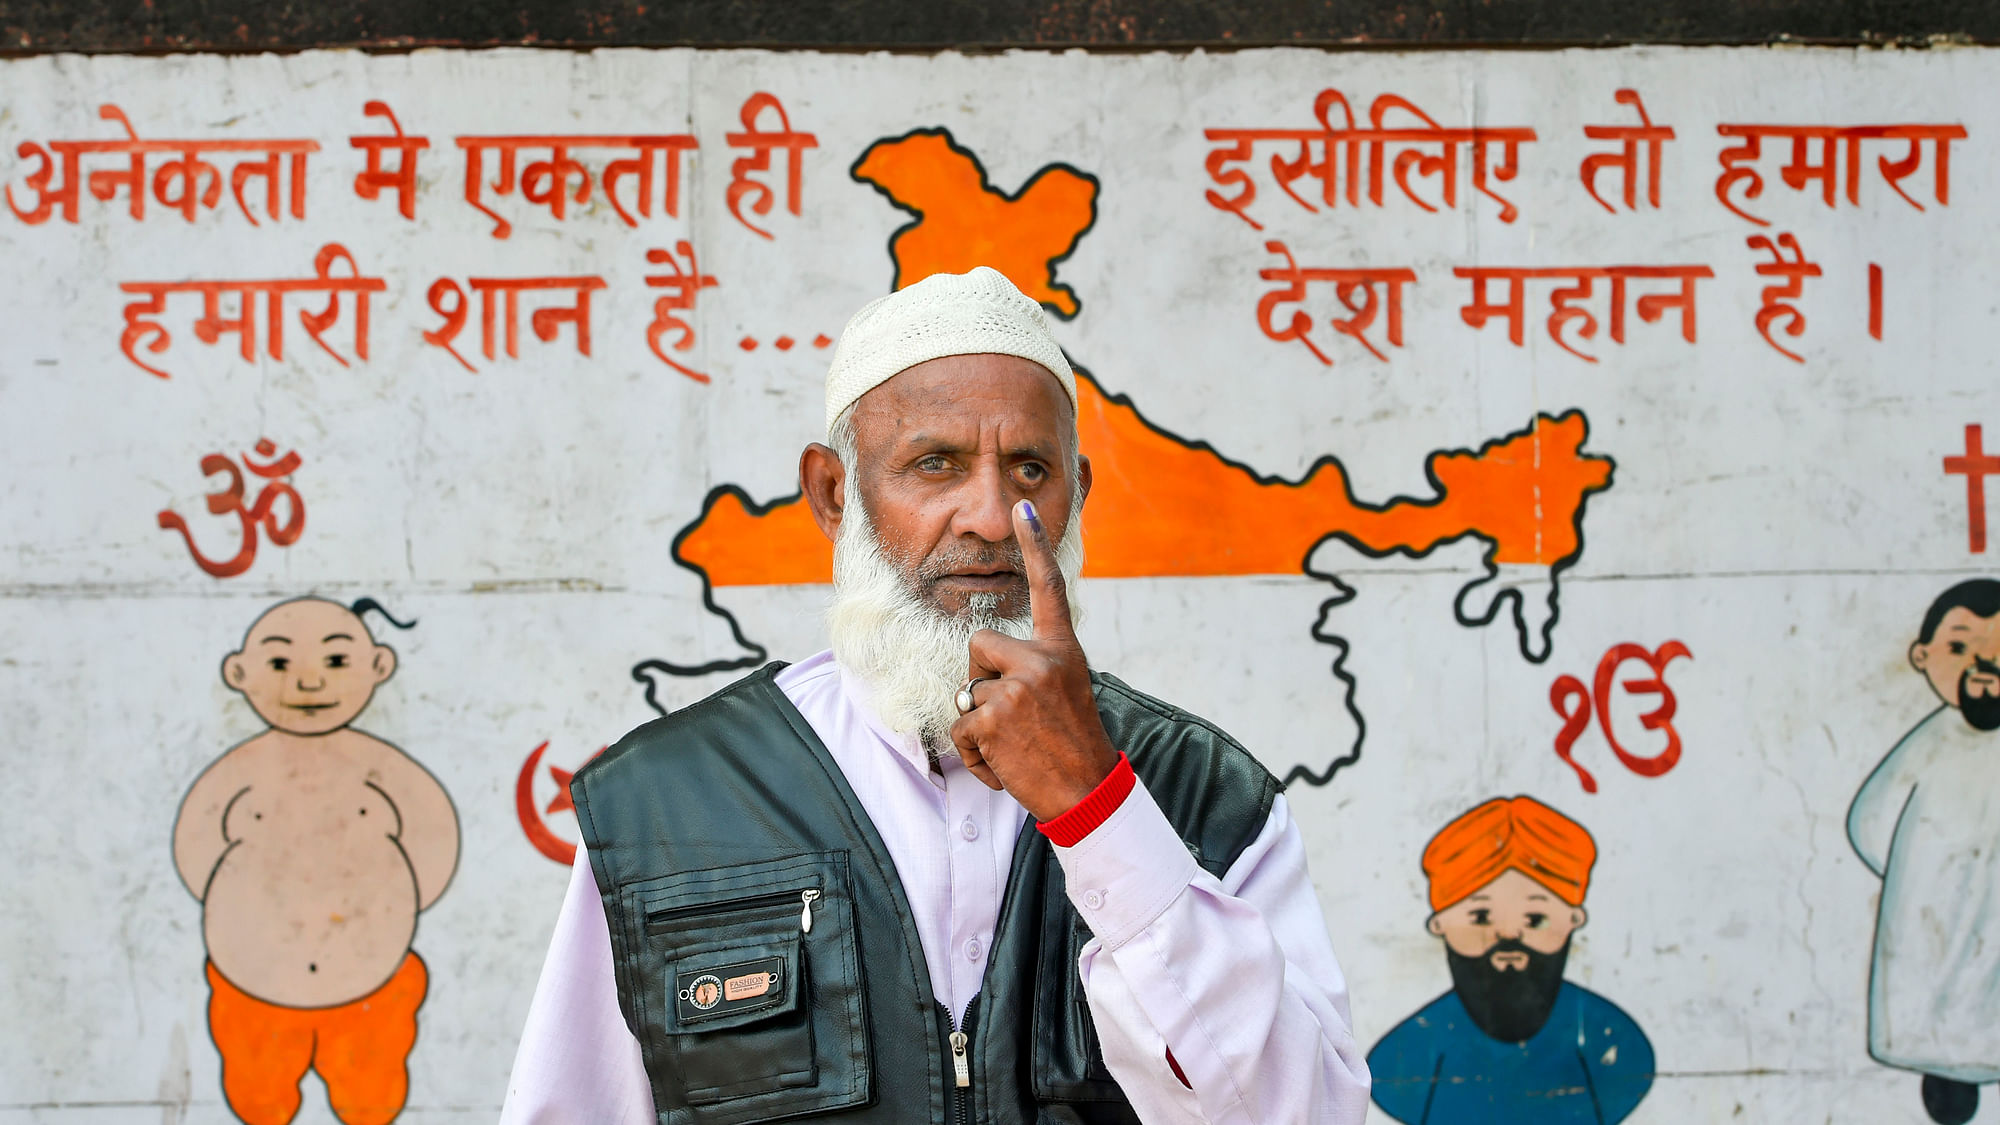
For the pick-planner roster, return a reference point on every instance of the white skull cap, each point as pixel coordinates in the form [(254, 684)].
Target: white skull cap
[(944, 314)]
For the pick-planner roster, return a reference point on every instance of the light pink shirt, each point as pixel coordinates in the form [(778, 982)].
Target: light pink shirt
[(1235, 976)]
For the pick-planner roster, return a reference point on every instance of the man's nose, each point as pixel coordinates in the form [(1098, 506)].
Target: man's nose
[(1507, 931), (985, 506), (314, 685)]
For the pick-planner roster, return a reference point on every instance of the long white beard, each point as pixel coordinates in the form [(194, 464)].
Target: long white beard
[(913, 656)]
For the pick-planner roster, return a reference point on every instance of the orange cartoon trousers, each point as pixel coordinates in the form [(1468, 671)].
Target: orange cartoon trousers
[(361, 1049)]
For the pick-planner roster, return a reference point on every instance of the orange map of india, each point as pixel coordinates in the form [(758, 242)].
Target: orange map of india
[(1161, 504)]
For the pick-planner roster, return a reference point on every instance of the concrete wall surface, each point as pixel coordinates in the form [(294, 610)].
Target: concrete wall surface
[(1598, 427)]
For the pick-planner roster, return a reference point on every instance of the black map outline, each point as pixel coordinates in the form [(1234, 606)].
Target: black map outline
[(756, 653)]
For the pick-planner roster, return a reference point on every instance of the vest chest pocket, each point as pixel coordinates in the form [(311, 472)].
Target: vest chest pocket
[(748, 991)]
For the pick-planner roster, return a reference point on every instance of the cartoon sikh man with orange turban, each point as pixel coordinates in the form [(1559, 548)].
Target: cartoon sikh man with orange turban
[(1512, 1041)]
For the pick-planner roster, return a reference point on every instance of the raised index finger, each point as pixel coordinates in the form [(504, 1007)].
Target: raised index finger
[(1048, 597)]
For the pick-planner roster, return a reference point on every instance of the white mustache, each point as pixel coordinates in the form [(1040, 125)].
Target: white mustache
[(911, 655)]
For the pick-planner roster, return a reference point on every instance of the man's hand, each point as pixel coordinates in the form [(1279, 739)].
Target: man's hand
[(1034, 729)]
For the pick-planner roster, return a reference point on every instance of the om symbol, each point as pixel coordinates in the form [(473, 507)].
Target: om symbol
[(263, 510), (1573, 702)]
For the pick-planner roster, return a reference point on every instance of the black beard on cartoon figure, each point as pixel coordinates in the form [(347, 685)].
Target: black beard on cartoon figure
[(1510, 1005), (1982, 711)]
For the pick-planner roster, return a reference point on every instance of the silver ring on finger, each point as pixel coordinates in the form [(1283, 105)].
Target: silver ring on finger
[(964, 699)]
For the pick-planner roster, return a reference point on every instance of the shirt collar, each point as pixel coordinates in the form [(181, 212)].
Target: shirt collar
[(905, 745)]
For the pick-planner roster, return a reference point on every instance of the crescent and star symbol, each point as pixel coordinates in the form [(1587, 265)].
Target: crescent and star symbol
[(532, 825)]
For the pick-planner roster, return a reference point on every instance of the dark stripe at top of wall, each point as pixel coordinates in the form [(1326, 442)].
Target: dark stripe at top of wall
[(36, 26)]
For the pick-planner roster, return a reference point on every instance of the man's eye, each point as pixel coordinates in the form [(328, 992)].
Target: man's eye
[(1958, 648), (933, 464), (279, 664), (1537, 921), (337, 660), (1481, 918), (1032, 473)]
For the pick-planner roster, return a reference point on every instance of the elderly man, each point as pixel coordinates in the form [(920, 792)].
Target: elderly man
[(815, 893)]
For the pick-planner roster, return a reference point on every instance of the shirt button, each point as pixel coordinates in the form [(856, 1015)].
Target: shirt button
[(1094, 900), (968, 829), (973, 950)]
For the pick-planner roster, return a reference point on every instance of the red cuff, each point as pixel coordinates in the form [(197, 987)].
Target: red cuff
[(1069, 829)]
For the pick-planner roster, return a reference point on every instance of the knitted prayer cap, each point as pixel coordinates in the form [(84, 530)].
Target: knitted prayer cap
[(944, 314)]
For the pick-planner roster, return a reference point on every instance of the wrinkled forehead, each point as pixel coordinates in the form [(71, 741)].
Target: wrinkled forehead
[(313, 620), (966, 395)]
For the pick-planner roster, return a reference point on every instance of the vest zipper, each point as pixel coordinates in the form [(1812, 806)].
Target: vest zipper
[(805, 898), (959, 1041), (961, 1067)]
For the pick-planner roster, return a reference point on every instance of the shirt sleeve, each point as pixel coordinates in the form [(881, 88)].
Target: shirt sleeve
[(1235, 978), (1872, 819), (1618, 1057), (578, 1061)]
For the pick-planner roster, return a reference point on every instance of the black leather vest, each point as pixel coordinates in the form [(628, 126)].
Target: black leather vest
[(766, 956)]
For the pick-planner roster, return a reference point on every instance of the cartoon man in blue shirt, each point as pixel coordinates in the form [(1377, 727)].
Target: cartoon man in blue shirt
[(1512, 1041)]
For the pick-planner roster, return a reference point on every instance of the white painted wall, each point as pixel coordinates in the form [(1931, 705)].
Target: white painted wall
[(1788, 522)]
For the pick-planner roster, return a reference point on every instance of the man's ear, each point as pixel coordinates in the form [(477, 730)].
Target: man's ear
[(823, 480), (1082, 479), (384, 663), (1434, 926), (234, 673), (1920, 655), (1577, 917)]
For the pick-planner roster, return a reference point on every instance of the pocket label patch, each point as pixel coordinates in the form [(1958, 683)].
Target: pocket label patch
[(748, 986), (707, 993)]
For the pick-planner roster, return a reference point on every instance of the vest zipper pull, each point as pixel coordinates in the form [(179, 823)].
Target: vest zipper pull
[(960, 1065), (806, 900)]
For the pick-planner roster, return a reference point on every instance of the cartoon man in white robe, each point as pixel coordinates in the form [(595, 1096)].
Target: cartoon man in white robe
[(1928, 822)]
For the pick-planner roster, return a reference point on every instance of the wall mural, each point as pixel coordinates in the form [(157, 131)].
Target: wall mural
[(1165, 504), (1927, 821), (1593, 427), (312, 848), (1512, 1040)]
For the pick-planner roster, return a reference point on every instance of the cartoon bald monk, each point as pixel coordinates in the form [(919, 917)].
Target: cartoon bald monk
[(312, 848), (1512, 1041)]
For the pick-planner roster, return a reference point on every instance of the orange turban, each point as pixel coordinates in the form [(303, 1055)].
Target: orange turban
[(1517, 832)]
